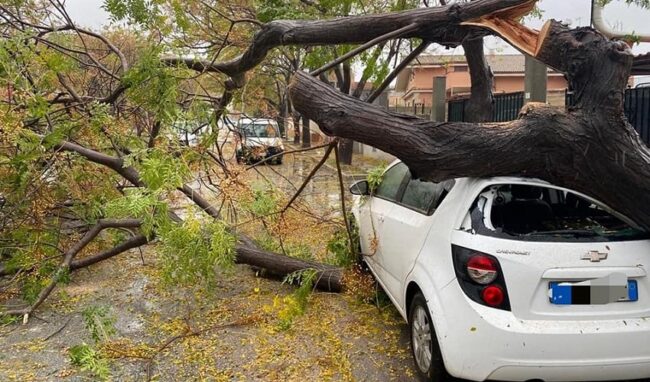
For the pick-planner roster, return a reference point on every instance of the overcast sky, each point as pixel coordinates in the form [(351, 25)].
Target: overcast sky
[(89, 13), (620, 16)]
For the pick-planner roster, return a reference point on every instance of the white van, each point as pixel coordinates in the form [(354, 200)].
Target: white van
[(259, 139)]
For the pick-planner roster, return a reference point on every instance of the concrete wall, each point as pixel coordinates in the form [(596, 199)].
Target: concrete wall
[(515, 83)]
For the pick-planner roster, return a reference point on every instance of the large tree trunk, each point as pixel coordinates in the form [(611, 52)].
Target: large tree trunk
[(479, 106), (590, 148), (329, 278)]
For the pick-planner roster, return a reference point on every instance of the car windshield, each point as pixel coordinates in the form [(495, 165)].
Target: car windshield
[(539, 213), (259, 130)]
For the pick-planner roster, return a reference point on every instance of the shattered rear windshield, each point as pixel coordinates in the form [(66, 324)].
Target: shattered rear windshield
[(541, 213)]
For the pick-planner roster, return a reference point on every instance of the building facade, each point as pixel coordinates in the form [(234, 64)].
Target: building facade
[(415, 83)]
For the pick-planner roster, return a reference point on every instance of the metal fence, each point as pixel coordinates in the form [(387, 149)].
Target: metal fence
[(637, 110), (418, 109), (506, 108), (636, 105)]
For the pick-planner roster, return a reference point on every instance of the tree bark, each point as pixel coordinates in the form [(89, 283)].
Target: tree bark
[(439, 24), (346, 146), (296, 128), (591, 148), (329, 278), (306, 132), (479, 106)]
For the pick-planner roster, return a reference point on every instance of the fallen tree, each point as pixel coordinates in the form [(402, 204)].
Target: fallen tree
[(590, 148)]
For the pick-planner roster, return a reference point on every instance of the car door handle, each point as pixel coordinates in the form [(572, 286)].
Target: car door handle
[(381, 219)]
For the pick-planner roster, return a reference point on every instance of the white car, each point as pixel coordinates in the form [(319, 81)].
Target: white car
[(509, 278)]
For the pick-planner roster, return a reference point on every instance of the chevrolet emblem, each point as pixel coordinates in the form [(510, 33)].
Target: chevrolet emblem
[(594, 256)]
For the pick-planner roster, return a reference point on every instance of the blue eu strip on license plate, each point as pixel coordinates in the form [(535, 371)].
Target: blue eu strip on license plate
[(563, 293)]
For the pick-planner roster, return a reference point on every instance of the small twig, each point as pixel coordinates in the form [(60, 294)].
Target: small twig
[(361, 48), (344, 210), (398, 69), (58, 330), (192, 333), (331, 147)]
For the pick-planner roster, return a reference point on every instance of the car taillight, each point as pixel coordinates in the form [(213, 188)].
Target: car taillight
[(480, 277), (492, 295), (482, 269)]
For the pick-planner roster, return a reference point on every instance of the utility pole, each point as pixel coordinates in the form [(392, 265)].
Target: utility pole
[(536, 75), (438, 99)]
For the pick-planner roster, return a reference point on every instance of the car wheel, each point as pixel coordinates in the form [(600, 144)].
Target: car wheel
[(278, 160), (424, 343)]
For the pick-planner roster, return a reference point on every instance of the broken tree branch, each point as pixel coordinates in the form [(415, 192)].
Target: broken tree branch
[(439, 24), (394, 34), (311, 174), (101, 225), (593, 155), (342, 195)]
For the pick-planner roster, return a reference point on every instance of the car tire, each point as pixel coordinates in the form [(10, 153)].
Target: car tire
[(278, 160), (424, 343)]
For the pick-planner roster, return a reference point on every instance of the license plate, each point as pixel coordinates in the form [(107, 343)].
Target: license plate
[(564, 293)]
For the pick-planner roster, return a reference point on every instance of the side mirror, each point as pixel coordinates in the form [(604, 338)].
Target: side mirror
[(360, 188)]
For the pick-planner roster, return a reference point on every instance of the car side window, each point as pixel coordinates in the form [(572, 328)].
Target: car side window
[(391, 182), (420, 194)]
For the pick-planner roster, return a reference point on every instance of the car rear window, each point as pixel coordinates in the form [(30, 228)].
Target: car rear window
[(542, 213)]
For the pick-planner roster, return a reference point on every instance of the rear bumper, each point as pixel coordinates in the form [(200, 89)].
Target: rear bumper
[(627, 371), (480, 343)]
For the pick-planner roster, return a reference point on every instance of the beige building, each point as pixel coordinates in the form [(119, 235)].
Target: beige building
[(415, 83)]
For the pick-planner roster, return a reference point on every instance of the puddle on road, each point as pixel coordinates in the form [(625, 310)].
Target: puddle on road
[(322, 192)]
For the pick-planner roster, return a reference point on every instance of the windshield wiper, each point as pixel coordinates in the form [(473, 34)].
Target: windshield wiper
[(573, 232)]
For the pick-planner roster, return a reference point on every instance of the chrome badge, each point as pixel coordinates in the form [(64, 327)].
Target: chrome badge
[(594, 256)]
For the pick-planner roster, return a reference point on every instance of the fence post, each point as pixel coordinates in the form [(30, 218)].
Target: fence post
[(536, 75), (438, 99)]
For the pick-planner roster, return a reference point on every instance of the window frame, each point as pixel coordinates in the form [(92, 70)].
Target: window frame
[(402, 189), (477, 225)]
